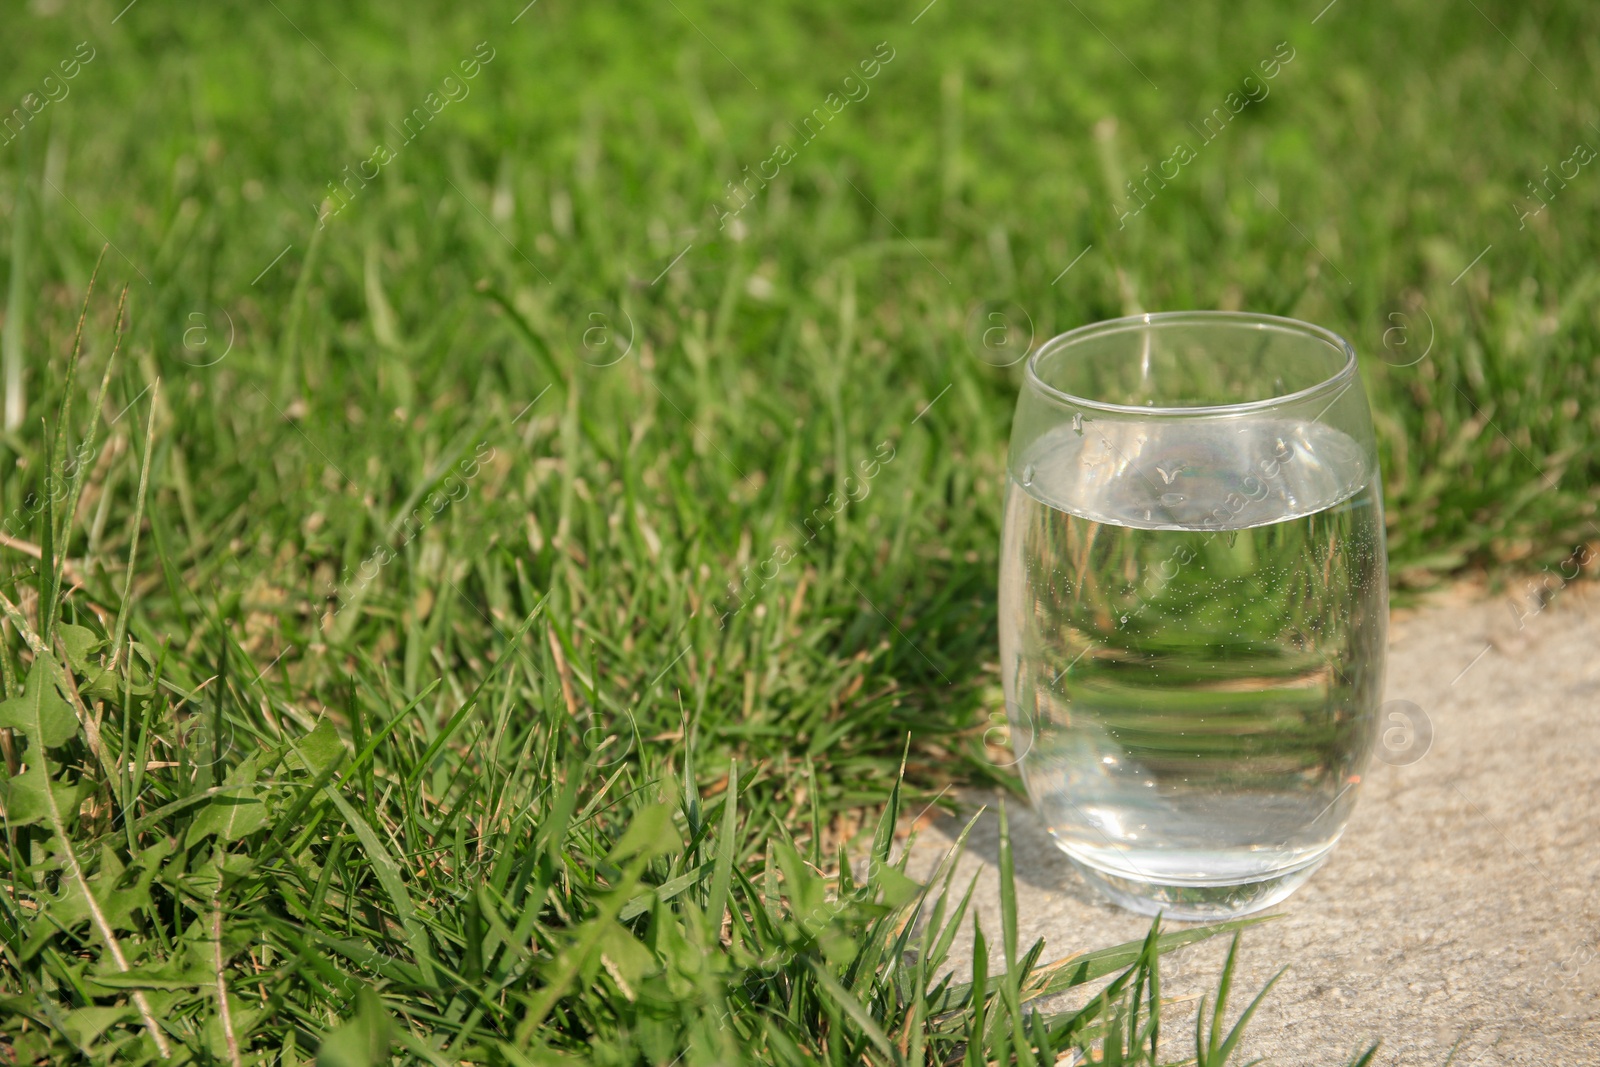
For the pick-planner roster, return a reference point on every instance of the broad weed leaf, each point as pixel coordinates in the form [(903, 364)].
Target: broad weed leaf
[(650, 834), (80, 643), (39, 713), (230, 816), (362, 1041), (626, 959), (319, 748), (28, 796), (897, 888), (84, 1025), (244, 1020), (238, 812), (71, 907)]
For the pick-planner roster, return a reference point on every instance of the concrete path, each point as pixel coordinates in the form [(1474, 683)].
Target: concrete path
[(1460, 908)]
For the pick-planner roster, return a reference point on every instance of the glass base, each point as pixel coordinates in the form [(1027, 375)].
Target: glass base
[(1197, 901)]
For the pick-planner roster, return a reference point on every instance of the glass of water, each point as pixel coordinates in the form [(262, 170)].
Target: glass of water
[(1193, 603)]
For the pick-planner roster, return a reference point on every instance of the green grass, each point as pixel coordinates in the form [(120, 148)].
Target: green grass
[(462, 534)]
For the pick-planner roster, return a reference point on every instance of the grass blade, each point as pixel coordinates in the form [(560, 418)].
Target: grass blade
[(858, 1014), (727, 844), (388, 872), (1237, 1033), (120, 632)]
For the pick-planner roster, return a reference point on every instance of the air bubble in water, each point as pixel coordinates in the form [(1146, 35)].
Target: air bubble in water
[(1027, 474), (1077, 423)]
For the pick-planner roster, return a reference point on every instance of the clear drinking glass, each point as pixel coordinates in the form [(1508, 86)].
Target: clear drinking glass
[(1193, 603)]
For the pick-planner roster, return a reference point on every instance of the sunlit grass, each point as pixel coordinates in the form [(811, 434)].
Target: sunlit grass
[(522, 499)]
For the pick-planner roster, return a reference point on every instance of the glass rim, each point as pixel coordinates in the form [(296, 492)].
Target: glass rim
[(1343, 376)]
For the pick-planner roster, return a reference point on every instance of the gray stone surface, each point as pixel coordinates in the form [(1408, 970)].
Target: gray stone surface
[(1459, 910)]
